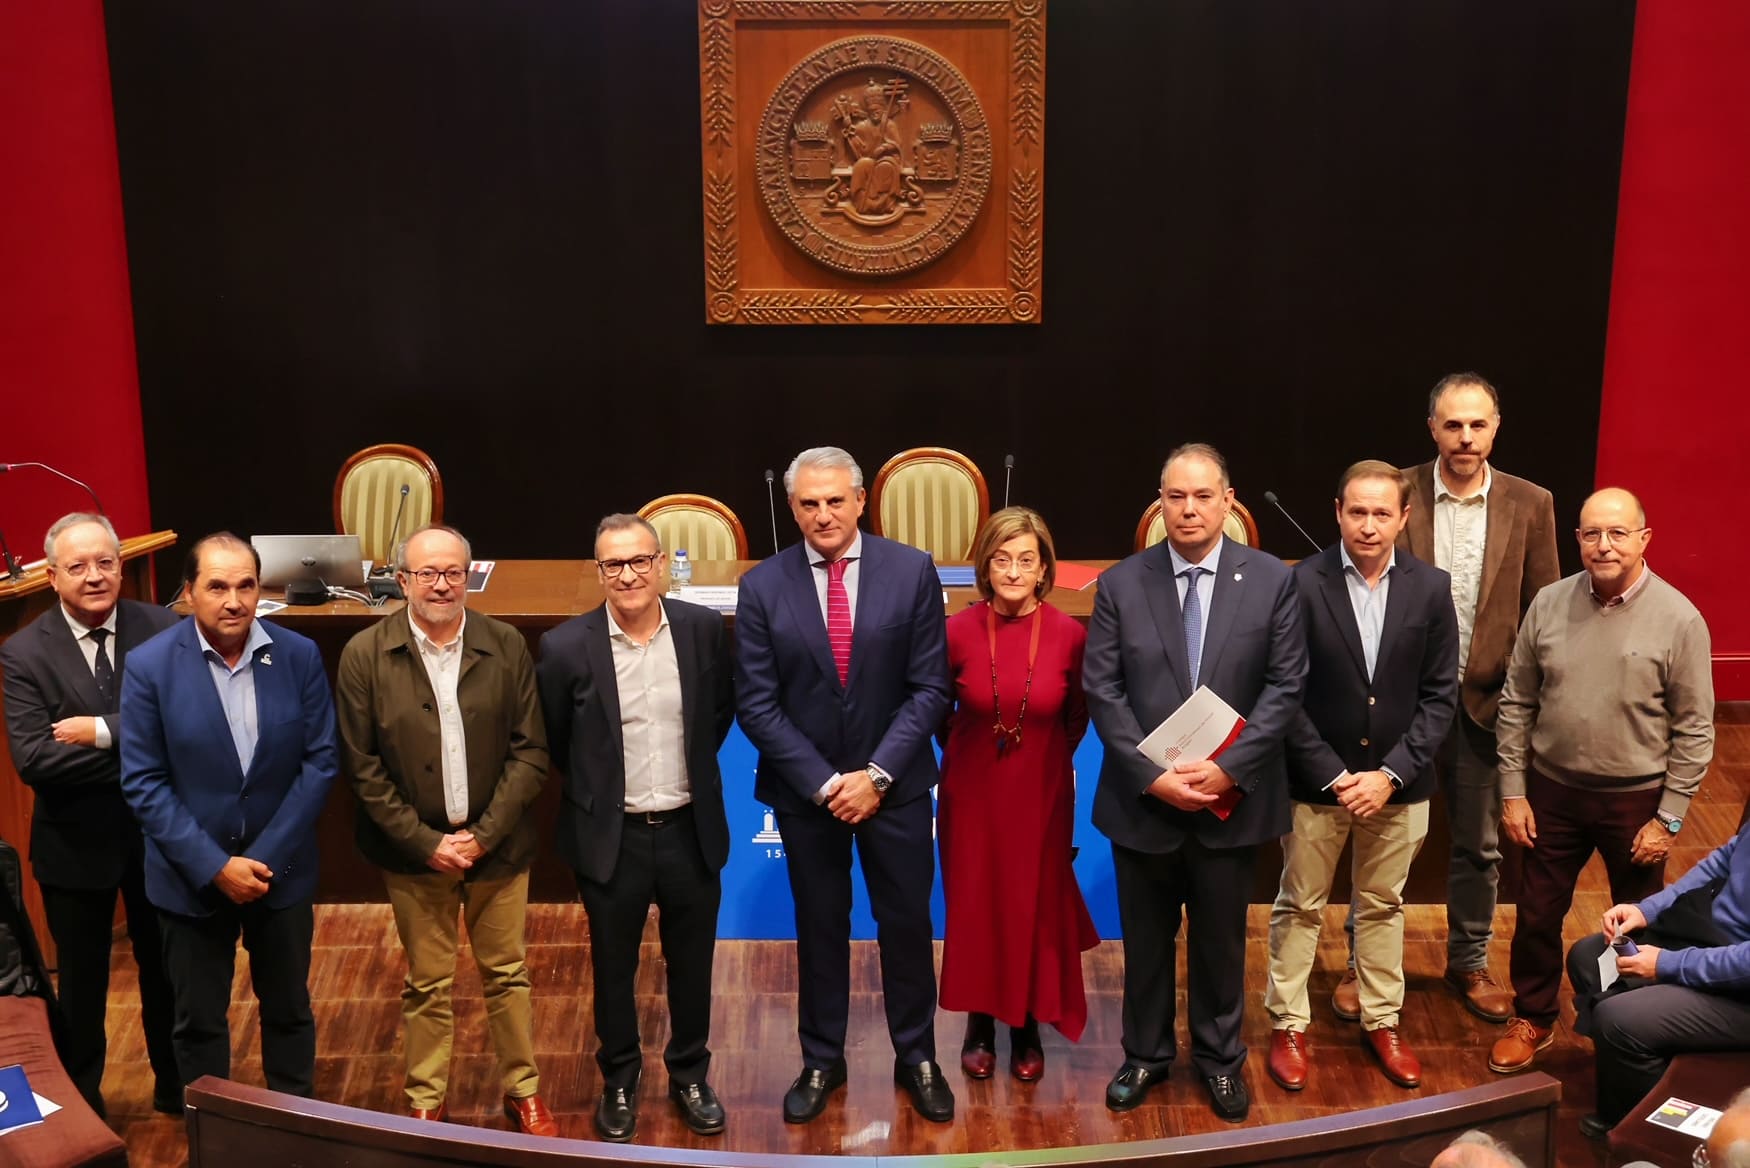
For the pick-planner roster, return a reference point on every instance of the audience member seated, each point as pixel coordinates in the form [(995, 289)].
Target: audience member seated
[(1728, 1145), (1475, 1149)]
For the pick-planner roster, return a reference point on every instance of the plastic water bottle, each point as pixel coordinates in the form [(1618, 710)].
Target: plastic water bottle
[(680, 571)]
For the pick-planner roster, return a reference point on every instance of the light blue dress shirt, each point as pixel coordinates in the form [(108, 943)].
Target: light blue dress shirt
[(236, 688), (1205, 586), (1368, 603)]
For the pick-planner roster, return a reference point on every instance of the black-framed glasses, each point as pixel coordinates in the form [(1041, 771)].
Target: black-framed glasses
[(1591, 536), (454, 577), (640, 565)]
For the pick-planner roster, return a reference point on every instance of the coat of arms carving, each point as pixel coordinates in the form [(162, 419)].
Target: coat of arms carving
[(894, 172)]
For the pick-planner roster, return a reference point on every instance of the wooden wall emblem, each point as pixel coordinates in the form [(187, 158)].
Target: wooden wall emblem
[(872, 161)]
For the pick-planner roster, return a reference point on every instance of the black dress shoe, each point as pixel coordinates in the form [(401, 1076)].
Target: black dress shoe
[(616, 1116), (806, 1097), (1130, 1086), (700, 1109), (167, 1100), (929, 1092), (1595, 1127), (1227, 1095)]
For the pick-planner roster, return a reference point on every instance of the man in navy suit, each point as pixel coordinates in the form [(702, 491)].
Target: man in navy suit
[(638, 695), (63, 694), (1197, 610), (841, 678), (1381, 690), (228, 749)]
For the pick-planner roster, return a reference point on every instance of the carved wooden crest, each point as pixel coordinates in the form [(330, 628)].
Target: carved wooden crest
[(872, 161)]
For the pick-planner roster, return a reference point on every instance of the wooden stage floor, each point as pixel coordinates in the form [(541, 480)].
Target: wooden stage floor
[(358, 967)]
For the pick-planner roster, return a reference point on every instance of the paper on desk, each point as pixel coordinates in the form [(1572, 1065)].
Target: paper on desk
[(717, 596), (1201, 728), (268, 607), (479, 572), (1692, 1119)]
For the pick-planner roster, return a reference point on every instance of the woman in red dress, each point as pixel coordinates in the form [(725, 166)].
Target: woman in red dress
[(1016, 921)]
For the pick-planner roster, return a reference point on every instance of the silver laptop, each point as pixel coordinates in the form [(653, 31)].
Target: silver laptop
[(332, 559)]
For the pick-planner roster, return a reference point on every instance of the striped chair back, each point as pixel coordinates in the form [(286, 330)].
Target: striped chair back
[(931, 498), (704, 526), (367, 494)]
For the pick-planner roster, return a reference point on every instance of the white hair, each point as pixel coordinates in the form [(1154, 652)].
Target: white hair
[(1477, 1149), (827, 457), (74, 519)]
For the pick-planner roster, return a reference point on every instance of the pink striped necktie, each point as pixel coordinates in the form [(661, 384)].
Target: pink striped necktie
[(838, 618)]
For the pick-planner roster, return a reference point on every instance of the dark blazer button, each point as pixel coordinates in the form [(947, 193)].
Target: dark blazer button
[(426, 706)]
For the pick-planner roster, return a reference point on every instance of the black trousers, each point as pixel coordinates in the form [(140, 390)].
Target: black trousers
[(81, 921), (200, 956), (1638, 1025), (658, 864), (899, 866), (1212, 885)]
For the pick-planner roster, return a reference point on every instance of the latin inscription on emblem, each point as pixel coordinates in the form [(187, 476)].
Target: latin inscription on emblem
[(874, 155)]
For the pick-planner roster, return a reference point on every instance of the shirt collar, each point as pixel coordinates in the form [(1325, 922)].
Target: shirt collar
[(1633, 590), (1207, 563), (258, 639), (425, 644), (851, 553), (78, 626), (614, 629), (1442, 491), (1349, 563)]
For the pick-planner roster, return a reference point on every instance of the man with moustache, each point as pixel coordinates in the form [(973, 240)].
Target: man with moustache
[(62, 676), (227, 754), (1495, 535), (1381, 686), (841, 679), (639, 696), (442, 734), (1196, 610), (1606, 728)]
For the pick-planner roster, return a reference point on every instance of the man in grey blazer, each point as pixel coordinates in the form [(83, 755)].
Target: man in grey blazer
[(62, 697), (1197, 610)]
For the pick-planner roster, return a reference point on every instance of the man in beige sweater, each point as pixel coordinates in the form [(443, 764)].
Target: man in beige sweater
[(1605, 730)]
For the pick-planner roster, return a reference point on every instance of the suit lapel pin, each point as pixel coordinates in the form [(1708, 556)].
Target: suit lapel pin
[(1238, 577), (267, 658)]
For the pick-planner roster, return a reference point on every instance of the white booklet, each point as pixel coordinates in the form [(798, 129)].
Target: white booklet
[(1201, 728)]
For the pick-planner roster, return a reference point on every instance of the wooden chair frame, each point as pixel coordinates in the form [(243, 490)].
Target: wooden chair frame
[(398, 449), (702, 503), (1153, 512), (916, 453)]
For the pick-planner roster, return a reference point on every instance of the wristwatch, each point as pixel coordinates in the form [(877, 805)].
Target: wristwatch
[(1673, 823), (879, 779)]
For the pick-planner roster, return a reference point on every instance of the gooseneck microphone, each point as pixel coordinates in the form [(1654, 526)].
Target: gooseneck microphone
[(1008, 476), (382, 584), (1270, 498), (95, 501), (772, 507), (388, 568)]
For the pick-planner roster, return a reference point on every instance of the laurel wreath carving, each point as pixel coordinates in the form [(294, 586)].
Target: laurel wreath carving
[(1026, 73), (948, 307), (717, 46), (947, 9), (721, 242), (832, 9), (803, 308), (1024, 230)]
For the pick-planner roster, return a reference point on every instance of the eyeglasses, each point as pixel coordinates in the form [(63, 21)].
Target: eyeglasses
[(639, 564), (1614, 535), (107, 566), (454, 577), (1028, 564)]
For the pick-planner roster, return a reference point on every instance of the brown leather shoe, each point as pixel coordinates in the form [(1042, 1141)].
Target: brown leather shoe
[(531, 1115), (1346, 998), (438, 1114), (1517, 1049), (1483, 996), (1395, 1057), (1288, 1059)]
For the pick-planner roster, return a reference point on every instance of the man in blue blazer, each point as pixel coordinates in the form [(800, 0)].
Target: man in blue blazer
[(1197, 610), (841, 678), (1381, 691), (228, 749)]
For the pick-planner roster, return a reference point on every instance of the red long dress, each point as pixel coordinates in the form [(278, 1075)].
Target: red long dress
[(1016, 920)]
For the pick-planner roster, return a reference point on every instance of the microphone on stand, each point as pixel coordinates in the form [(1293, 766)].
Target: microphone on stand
[(382, 583), (772, 507), (1008, 476), (1270, 498), (96, 502), (8, 561)]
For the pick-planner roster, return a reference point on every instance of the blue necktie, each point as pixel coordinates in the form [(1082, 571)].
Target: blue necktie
[(1193, 620)]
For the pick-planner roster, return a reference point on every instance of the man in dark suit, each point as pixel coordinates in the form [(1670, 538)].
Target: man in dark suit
[(1381, 686), (841, 678), (228, 750), (1150, 646), (639, 695), (444, 746), (62, 676), (1495, 535)]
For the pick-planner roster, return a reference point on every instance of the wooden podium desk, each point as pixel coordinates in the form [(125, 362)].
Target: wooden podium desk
[(22, 601)]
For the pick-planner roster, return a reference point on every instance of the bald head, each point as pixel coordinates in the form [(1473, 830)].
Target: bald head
[(1619, 502), (1475, 1149), (1613, 537)]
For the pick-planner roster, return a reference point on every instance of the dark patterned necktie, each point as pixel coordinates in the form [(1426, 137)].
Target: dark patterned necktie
[(1193, 620), (104, 670)]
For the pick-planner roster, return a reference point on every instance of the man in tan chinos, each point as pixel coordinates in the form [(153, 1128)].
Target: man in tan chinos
[(442, 736), (1495, 535)]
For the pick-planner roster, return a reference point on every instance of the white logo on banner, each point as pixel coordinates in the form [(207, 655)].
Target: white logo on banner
[(773, 841)]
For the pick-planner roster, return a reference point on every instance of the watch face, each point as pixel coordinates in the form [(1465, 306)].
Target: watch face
[(1673, 825)]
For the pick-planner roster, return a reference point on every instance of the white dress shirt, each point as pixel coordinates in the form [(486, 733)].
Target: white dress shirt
[(443, 666), (853, 558), (87, 646), (1461, 530), (653, 730)]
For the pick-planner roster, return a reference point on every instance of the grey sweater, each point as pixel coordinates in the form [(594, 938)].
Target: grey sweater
[(1618, 699)]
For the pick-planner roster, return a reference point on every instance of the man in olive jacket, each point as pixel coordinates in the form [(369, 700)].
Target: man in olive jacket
[(443, 740)]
